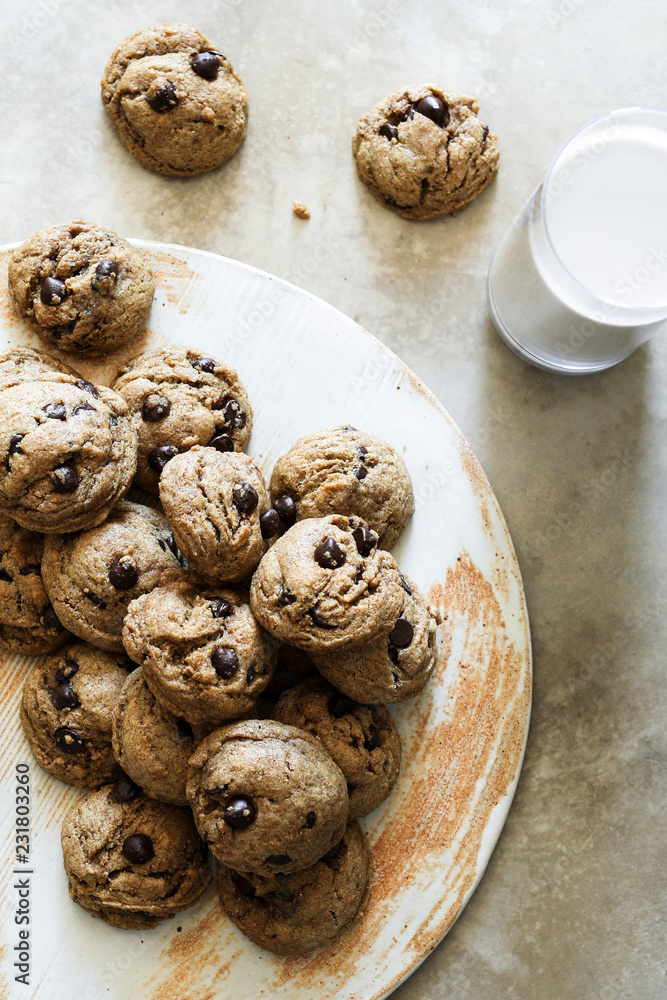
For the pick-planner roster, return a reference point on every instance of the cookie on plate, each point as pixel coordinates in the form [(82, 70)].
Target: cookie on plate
[(324, 585), (81, 287), (130, 860), (203, 653), (266, 797), (361, 739), (69, 452), (179, 397), (92, 577), (174, 100), (22, 364), (294, 914), (344, 471), (394, 667), (28, 623), (66, 713), (424, 153), (215, 502)]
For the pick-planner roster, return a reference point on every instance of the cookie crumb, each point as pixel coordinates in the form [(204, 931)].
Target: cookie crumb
[(300, 209)]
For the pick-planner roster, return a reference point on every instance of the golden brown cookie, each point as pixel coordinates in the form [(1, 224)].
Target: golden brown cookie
[(22, 364)]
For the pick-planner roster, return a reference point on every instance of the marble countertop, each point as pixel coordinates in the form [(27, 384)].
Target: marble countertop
[(573, 901)]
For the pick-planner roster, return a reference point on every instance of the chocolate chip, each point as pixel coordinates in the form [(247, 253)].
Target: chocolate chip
[(4, 575), (286, 509), (333, 852), (250, 674), (32, 570), (245, 498), (171, 544), (68, 670), (286, 598), (204, 365), (240, 812), (124, 790), (68, 741), (402, 633), (269, 523), (50, 619), (52, 290), (329, 554), (87, 386), (365, 540), (361, 451), (405, 585), (225, 661), (107, 268), (138, 848), (221, 442), (123, 573), (278, 859), (220, 608), (360, 472), (340, 705), (234, 415), (55, 411), (206, 64), (155, 408), (185, 730), (158, 457), (310, 820), (485, 132), (389, 131), (164, 98), (64, 696), (14, 443), (372, 741), (349, 428), (435, 109), (318, 620), (64, 479), (245, 887), (83, 406)]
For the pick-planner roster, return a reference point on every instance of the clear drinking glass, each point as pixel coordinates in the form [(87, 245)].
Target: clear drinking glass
[(579, 280)]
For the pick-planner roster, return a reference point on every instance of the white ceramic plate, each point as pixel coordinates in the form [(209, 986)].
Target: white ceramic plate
[(306, 367)]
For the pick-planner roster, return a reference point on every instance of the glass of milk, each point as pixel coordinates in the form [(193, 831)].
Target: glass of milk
[(579, 280)]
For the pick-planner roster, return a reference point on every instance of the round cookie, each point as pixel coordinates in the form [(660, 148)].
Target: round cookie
[(179, 397), (215, 501), (324, 585), (395, 667), (345, 471), (361, 739), (66, 711), (92, 577), (266, 797), (294, 914), (203, 653), (80, 287), (424, 153), (174, 100), (69, 453), (130, 860), (22, 364), (28, 623)]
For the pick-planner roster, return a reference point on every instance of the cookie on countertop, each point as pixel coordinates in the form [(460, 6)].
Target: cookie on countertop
[(266, 797), (394, 667), (215, 502), (204, 655), (361, 739), (174, 100), (92, 577), (324, 585), (66, 712), (345, 471), (69, 453), (23, 364), (28, 623), (294, 914), (424, 153), (81, 287), (132, 861), (179, 397)]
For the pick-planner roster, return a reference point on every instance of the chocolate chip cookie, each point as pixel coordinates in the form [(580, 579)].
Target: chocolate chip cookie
[(69, 453), (130, 860), (324, 585), (22, 364), (361, 739), (179, 397), (28, 623), (66, 711), (266, 797), (151, 745), (92, 577), (203, 653), (215, 502), (424, 153), (344, 471), (174, 100), (394, 667), (294, 914), (80, 287)]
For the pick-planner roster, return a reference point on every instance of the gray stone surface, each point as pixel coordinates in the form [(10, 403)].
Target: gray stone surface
[(573, 902)]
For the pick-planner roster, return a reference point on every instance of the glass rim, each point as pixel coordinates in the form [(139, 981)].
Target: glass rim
[(610, 115)]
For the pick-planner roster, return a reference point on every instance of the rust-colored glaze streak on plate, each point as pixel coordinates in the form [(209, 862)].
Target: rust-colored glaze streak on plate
[(463, 737)]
